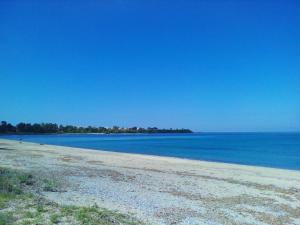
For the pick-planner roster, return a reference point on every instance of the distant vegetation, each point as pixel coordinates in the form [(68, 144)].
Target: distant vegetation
[(43, 128)]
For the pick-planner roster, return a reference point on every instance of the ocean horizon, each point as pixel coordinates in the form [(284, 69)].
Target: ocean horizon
[(267, 149)]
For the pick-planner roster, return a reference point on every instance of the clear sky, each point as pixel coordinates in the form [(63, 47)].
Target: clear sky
[(205, 65)]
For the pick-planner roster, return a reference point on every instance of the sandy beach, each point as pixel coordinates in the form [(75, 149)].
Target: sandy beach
[(162, 190)]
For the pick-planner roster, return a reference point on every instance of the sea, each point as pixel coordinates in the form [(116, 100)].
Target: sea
[(277, 150)]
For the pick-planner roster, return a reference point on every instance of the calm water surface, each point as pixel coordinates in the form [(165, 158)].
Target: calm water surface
[(280, 150)]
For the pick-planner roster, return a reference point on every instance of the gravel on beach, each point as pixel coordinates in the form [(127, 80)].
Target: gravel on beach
[(162, 190)]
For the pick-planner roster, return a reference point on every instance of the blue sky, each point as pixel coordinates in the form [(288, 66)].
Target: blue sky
[(205, 65)]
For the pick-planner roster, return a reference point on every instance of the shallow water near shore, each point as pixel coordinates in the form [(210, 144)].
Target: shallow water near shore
[(278, 150)]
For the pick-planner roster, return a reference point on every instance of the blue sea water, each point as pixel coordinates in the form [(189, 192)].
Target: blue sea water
[(278, 150)]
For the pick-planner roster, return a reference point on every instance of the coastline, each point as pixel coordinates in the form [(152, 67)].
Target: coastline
[(264, 150), (150, 156), (163, 190)]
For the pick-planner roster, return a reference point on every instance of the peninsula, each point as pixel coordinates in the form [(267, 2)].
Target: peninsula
[(48, 128)]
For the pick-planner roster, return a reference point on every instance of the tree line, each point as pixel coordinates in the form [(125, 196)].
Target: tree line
[(46, 128)]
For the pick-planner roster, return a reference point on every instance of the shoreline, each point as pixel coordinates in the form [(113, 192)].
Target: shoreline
[(155, 156), (162, 190)]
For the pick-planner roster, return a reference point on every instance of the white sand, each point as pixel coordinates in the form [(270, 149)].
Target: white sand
[(162, 190)]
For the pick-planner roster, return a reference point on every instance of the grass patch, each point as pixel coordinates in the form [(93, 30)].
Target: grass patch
[(29, 214), (4, 198), (27, 208), (54, 218), (95, 215), (12, 184), (40, 207), (50, 185), (6, 218)]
